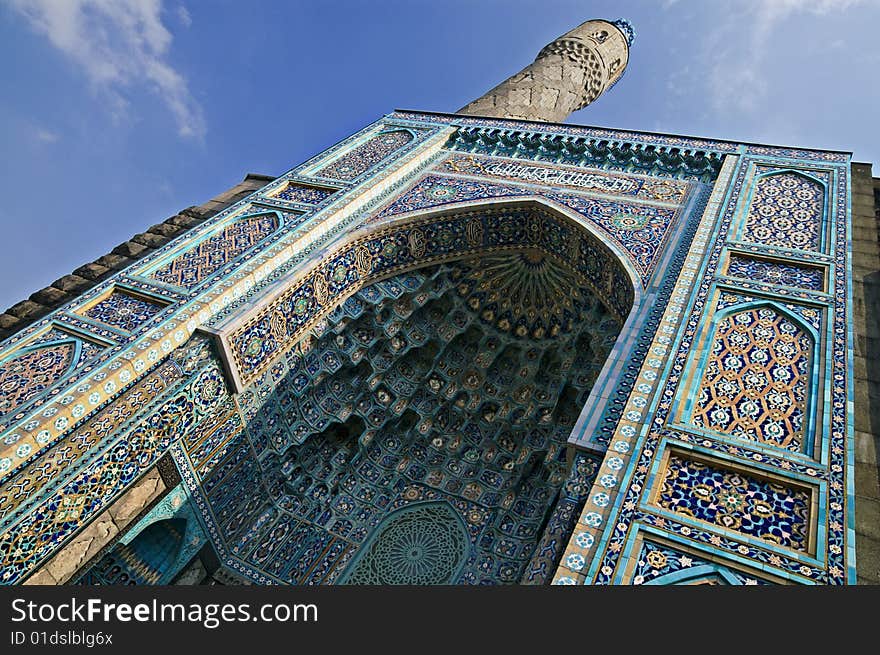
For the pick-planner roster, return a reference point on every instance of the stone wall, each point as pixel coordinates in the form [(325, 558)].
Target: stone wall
[(866, 317)]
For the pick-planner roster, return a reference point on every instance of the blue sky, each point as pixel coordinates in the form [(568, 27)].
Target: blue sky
[(118, 113)]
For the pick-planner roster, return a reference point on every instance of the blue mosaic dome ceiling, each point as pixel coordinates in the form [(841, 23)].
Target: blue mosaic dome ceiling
[(459, 382)]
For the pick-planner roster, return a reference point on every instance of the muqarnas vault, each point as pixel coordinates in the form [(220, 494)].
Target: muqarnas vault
[(472, 348)]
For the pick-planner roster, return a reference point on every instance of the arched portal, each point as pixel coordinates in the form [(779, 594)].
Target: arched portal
[(147, 559), (456, 381)]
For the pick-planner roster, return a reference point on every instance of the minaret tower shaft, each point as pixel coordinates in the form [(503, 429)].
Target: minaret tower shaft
[(567, 75)]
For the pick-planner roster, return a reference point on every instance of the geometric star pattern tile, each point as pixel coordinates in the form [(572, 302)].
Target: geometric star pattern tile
[(304, 193), (123, 310), (776, 272), (755, 382), (366, 155), (196, 263), (658, 563), (733, 500), (786, 212)]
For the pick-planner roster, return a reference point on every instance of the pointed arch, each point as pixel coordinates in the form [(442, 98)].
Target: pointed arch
[(787, 209), (382, 250), (424, 543), (758, 377), (702, 574), (31, 370)]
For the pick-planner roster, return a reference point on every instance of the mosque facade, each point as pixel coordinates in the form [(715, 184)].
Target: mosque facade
[(481, 347)]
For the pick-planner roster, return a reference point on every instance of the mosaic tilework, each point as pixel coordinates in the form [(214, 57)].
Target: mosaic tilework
[(199, 262), (736, 501), (639, 230), (87, 492), (365, 156), (610, 523), (786, 211), (577, 179), (661, 564), (48, 467), (123, 310), (563, 520), (316, 546), (211, 441), (776, 272), (414, 390), (596, 133), (155, 549), (755, 382), (424, 544), (275, 327), (304, 193), (33, 369)]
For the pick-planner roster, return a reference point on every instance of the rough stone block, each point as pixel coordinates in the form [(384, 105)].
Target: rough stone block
[(165, 229), (868, 517), (868, 558), (183, 221), (41, 577), (8, 321), (84, 546), (113, 261), (72, 283), (27, 309), (137, 498), (866, 448), (199, 212), (149, 240), (867, 485), (92, 271), (131, 249), (50, 297)]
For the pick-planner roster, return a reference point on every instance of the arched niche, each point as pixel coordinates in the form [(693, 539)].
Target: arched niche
[(430, 378), (786, 209), (148, 558), (758, 377)]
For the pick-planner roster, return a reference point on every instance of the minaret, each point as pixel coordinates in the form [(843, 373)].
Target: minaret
[(568, 74)]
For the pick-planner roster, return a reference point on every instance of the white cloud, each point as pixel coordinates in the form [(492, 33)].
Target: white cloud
[(737, 79), (42, 135), (118, 44), (183, 16)]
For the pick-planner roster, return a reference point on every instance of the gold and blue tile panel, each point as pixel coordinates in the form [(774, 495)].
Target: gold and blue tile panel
[(301, 193), (122, 309), (772, 510), (47, 463), (34, 368), (93, 486), (366, 155), (787, 209), (776, 272), (807, 534), (756, 379), (639, 230), (212, 253)]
